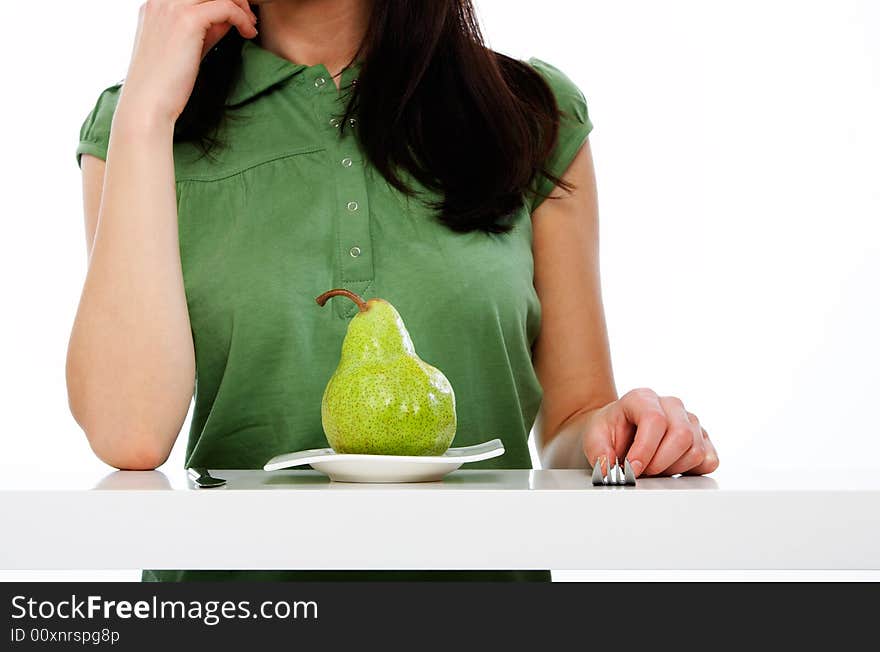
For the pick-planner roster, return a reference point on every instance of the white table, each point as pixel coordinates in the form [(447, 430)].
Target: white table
[(475, 519)]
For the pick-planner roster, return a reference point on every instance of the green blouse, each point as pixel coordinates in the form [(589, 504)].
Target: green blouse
[(289, 208)]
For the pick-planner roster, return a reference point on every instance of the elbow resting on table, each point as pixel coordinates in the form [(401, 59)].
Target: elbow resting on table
[(128, 446), (125, 436), (127, 449)]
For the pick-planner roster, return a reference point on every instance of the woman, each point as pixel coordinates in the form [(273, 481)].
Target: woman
[(377, 146)]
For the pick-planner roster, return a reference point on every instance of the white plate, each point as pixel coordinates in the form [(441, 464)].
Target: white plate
[(386, 468)]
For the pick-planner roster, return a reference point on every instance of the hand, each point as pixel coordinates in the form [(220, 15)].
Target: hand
[(172, 38), (655, 433)]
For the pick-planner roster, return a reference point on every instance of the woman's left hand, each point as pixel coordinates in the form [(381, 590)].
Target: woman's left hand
[(655, 433)]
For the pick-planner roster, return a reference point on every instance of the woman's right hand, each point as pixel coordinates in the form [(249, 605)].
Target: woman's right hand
[(172, 38)]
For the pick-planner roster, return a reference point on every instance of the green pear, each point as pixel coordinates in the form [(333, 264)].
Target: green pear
[(383, 399)]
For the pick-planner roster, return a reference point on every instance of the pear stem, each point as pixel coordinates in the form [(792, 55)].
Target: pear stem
[(339, 292)]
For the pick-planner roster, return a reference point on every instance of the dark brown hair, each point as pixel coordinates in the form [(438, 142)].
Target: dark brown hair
[(433, 102)]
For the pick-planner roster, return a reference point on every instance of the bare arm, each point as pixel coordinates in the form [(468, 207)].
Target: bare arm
[(572, 355), (130, 361), (130, 364), (582, 421)]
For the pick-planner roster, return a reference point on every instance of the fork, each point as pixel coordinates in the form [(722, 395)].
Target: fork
[(203, 479), (616, 476)]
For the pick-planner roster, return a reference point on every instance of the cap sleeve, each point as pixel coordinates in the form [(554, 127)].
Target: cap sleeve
[(94, 135), (574, 127)]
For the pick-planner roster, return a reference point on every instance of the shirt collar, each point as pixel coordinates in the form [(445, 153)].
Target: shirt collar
[(261, 70)]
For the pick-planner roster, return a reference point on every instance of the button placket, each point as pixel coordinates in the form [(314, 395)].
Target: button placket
[(353, 225), (354, 247)]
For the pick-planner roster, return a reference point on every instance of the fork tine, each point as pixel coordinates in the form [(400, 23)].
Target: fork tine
[(597, 474), (617, 475), (629, 475)]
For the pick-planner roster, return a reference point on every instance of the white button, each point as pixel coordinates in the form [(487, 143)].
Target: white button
[(346, 162), (320, 81), (355, 252), (352, 206), (334, 122)]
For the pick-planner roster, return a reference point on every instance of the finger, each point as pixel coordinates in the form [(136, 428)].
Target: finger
[(218, 12), (598, 442), (677, 439), (711, 461), (244, 4), (695, 455), (217, 31), (622, 431), (246, 7), (642, 409)]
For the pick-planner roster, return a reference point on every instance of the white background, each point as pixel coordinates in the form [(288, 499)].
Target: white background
[(737, 147)]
